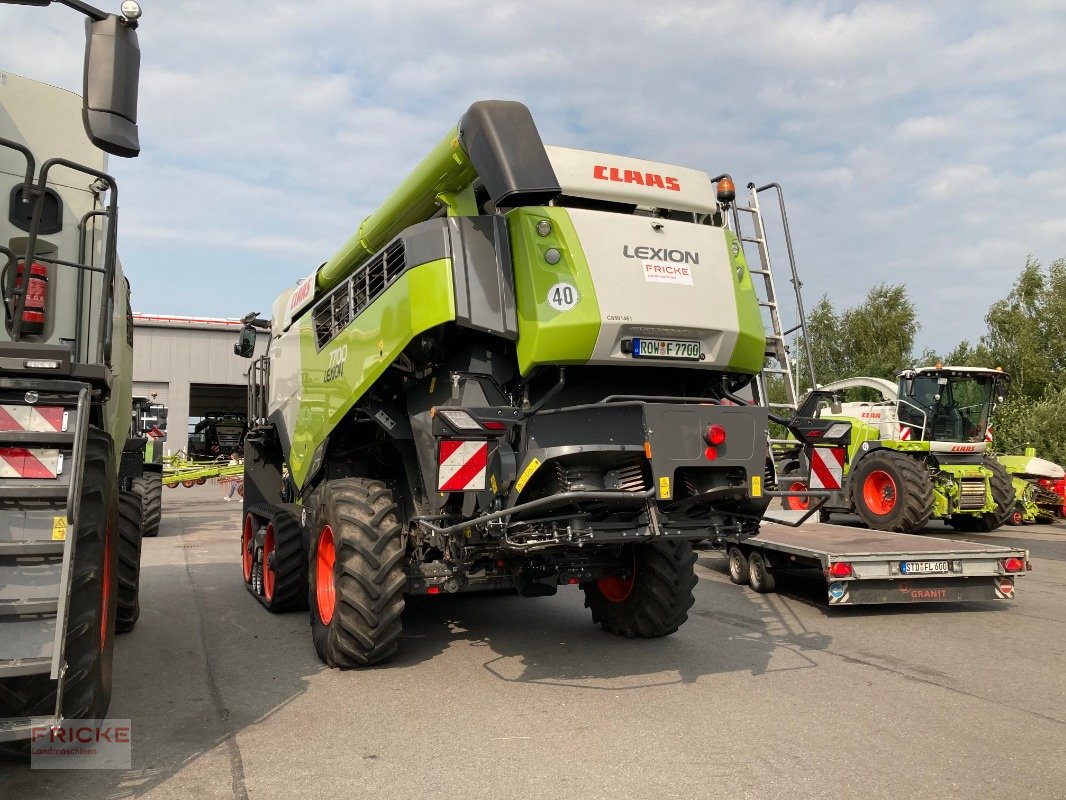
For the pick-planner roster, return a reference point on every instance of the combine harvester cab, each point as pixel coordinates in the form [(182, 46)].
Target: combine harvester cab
[(69, 529), (919, 452), (520, 372)]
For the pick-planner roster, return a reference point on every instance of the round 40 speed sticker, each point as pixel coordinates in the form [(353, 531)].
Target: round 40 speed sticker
[(563, 296)]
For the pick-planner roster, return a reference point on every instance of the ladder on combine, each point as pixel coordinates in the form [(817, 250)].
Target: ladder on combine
[(43, 430), (777, 350)]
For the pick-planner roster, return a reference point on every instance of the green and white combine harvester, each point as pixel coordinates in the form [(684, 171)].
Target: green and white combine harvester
[(918, 452), (70, 522), (521, 372)]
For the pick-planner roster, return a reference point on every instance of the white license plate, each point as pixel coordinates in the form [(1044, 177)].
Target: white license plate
[(667, 348), (922, 567)]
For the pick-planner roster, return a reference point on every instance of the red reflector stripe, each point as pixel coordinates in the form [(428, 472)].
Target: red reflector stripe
[(8, 422), (23, 463)]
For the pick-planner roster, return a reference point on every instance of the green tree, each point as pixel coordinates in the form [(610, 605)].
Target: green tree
[(875, 338)]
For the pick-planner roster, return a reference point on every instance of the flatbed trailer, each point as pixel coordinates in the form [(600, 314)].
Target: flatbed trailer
[(866, 567)]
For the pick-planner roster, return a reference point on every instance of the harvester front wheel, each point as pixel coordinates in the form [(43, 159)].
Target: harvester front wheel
[(150, 489), (653, 598), (128, 604), (355, 574), (892, 492), (91, 616), (1002, 493)]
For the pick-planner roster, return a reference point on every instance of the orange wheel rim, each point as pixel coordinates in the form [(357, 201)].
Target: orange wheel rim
[(616, 588), (105, 591), (268, 573), (247, 536), (325, 583), (879, 492), (798, 503)]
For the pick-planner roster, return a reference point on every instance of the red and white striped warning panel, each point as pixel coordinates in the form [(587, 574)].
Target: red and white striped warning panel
[(827, 468), (39, 419), (155, 434), (904, 433), (988, 434), (22, 462), (463, 466)]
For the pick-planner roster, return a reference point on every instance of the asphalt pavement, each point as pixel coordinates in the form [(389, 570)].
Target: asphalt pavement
[(757, 696)]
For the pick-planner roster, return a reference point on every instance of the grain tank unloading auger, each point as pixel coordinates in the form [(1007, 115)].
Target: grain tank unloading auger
[(520, 372)]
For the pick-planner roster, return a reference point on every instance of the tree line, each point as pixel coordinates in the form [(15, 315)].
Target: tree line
[(1025, 335)]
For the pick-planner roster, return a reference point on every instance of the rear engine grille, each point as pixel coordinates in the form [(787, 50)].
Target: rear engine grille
[(336, 310), (972, 494)]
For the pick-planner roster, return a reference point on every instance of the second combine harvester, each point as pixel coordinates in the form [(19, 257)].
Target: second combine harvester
[(521, 372)]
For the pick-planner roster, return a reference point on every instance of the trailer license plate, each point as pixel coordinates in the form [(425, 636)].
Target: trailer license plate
[(667, 348), (922, 567)]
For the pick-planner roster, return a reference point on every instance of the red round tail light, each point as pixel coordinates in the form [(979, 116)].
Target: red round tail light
[(710, 453), (1013, 564), (715, 435), (840, 569)]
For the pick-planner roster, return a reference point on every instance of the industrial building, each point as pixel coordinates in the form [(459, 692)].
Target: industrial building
[(187, 363)]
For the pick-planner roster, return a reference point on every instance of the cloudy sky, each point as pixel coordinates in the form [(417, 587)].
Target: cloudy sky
[(917, 142)]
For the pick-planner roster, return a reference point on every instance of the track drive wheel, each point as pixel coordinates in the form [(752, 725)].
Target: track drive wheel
[(91, 619), (738, 565), (892, 492), (653, 598), (356, 574), (150, 489), (128, 605), (760, 577)]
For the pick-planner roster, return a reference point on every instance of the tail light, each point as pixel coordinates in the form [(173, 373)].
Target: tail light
[(1013, 564), (840, 569), (33, 314), (715, 435), (710, 453)]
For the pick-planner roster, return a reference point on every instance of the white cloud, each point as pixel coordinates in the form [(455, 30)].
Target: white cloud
[(907, 136)]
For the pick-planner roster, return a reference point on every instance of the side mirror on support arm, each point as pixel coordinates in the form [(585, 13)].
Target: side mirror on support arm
[(112, 69), (245, 347)]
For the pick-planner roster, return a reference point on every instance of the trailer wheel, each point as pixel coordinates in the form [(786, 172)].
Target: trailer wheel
[(653, 599), (128, 605), (759, 576), (91, 617), (284, 564), (892, 492), (738, 565), (356, 578), (150, 489)]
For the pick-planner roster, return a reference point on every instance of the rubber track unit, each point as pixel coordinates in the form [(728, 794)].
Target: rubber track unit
[(661, 596), (1002, 492), (289, 564), (914, 492), (290, 560), (87, 687), (128, 604), (150, 488), (369, 574)]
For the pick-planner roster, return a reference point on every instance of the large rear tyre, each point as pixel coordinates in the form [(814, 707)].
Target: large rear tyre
[(91, 617), (128, 605), (355, 575), (892, 492), (652, 598), (150, 488)]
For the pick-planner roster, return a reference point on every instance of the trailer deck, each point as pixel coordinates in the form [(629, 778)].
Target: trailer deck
[(862, 566)]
